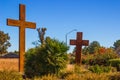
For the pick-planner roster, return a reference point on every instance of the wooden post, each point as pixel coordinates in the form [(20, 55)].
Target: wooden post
[(22, 24)]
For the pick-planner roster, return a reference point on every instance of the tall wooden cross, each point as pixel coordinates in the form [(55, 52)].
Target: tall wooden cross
[(22, 25), (79, 42)]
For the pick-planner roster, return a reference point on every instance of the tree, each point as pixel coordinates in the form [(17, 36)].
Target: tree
[(91, 49), (116, 44), (85, 50), (48, 58), (103, 50), (94, 47), (4, 42), (41, 33), (16, 52)]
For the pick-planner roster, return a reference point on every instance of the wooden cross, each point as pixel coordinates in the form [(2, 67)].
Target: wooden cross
[(22, 25), (79, 42)]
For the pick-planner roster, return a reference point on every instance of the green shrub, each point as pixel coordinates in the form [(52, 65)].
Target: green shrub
[(95, 69), (107, 69), (71, 59), (102, 59), (118, 67), (115, 77), (62, 75), (10, 75), (87, 58), (115, 63), (100, 69), (48, 58)]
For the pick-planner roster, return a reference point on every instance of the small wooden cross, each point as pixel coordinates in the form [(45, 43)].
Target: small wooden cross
[(22, 25), (79, 42)]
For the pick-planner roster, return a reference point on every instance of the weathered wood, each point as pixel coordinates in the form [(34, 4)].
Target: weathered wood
[(79, 43), (22, 24)]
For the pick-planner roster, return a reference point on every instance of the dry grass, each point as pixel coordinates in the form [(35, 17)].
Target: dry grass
[(73, 68), (73, 72), (87, 76), (47, 77), (82, 73)]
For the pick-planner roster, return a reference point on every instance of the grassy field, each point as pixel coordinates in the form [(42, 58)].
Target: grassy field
[(72, 72)]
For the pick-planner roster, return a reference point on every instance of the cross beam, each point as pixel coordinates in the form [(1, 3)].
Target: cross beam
[(22, 24), (79, 43)]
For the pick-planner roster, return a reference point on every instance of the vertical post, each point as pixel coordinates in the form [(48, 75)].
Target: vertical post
[(22, 24), (21, 38)]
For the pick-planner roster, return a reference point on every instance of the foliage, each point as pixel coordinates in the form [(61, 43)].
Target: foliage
[(71, 58), (94, 47), (85, 50), (86, 59), (115, 63), (71, 74), (115, 77), (87, 76), (16, 52), (116, 44), (64, 74), (4, 42), (100, 69), (71, 69), (100, 59), (48, 58), (10, 75), (91, 49), (102, 50)]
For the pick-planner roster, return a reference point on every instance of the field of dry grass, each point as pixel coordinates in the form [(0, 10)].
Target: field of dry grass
[(73, 72)]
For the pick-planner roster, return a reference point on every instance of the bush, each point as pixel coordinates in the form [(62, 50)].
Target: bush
[(87, 58), (48, 58), (100, 69), (115, 77), (10, 75), (95, 69), (102, 59), (115, 63), (62, 75), (71, 58)]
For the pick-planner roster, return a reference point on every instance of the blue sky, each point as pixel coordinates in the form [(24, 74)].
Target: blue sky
[(99, 20)]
